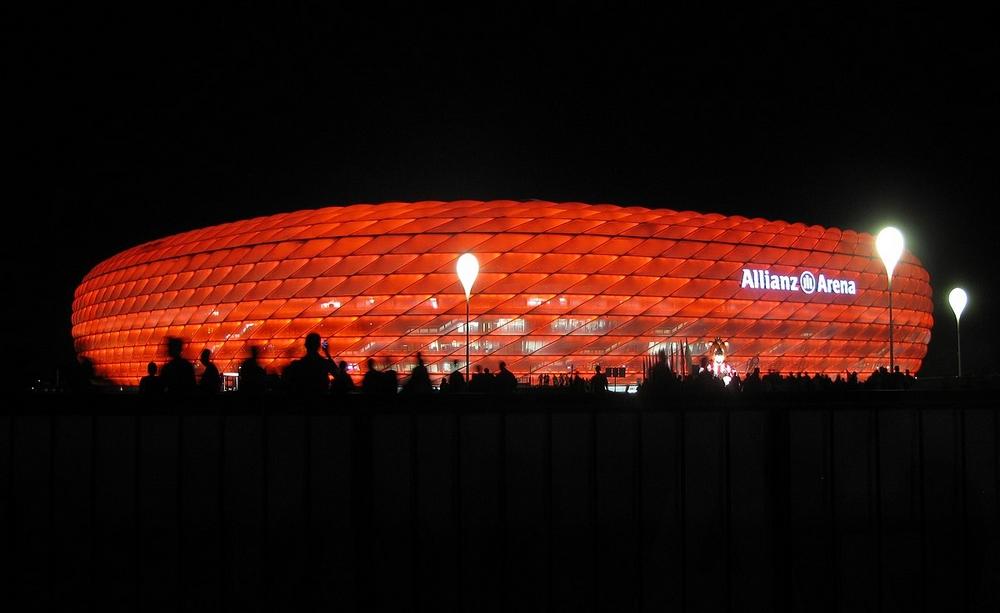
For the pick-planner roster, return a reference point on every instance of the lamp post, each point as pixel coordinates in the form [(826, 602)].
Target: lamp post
[(467, 269), (958, 299), (889, 245)]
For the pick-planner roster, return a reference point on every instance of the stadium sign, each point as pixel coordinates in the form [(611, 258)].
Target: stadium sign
[(805, 282)]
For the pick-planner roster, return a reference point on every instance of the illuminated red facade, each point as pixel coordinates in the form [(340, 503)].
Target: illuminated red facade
[(562, 286)]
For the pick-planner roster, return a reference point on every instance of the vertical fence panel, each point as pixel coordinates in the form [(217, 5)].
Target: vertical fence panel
[(392, 513), (30, 507), (333, 530), (751, 534), (6, 500), (286, 511), (115, 529), (160, 559), (573, 563), (527, 532), (482, 549), (616, 513), (71, 499), (942, 526), (854, 510), (201, 525), (900, 502), (705, 538), (436, 526), (809, 513), (662, 512), (983, 527), (243, 500)]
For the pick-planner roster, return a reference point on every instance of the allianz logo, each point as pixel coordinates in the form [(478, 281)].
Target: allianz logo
[(806, 282)]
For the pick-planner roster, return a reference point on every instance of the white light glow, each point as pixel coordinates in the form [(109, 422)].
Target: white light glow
[(958, 299), (467, 269), (889, 245)]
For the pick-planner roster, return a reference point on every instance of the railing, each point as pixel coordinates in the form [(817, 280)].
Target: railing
[(866, 501)]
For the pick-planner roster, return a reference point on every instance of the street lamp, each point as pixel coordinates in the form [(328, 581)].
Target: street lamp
[(889, 245), (467, 269), (958, 299)]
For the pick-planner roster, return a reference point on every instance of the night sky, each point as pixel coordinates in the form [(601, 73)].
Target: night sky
[(130, 126)]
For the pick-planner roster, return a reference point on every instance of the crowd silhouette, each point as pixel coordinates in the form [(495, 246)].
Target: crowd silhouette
[(317, 373)]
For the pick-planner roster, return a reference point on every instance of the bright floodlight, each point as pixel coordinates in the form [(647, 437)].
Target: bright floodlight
[(958, 299), (468, 269), (889, 245)]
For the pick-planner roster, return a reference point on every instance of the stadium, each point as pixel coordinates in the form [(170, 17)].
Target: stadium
[(561, 287)]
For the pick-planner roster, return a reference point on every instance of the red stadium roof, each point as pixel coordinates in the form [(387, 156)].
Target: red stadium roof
[(562, 286)]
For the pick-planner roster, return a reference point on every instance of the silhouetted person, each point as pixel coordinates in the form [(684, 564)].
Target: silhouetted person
[(478, 383), (178, 373), (735, 384), (705, 380), (506, 382), (419, 382), (371, 383), (444, 385), (896, 380), (310, 374), (879, 379), (852, 379), (150, 385), (660, 380), (342, 381), (390, 382), (253, 379), (599, 382), (210, 382), (456, 380), (274, 382)]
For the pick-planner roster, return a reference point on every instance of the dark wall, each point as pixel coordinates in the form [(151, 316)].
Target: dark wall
[(554, 503)]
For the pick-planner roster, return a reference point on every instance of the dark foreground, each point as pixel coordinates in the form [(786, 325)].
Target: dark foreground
[(867, 501)]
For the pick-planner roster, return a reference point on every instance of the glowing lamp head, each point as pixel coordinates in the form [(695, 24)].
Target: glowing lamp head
[(889, 244), (468, 269), (958, 299)]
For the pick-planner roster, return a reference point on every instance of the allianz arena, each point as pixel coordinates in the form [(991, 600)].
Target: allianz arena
[(562, 287)]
